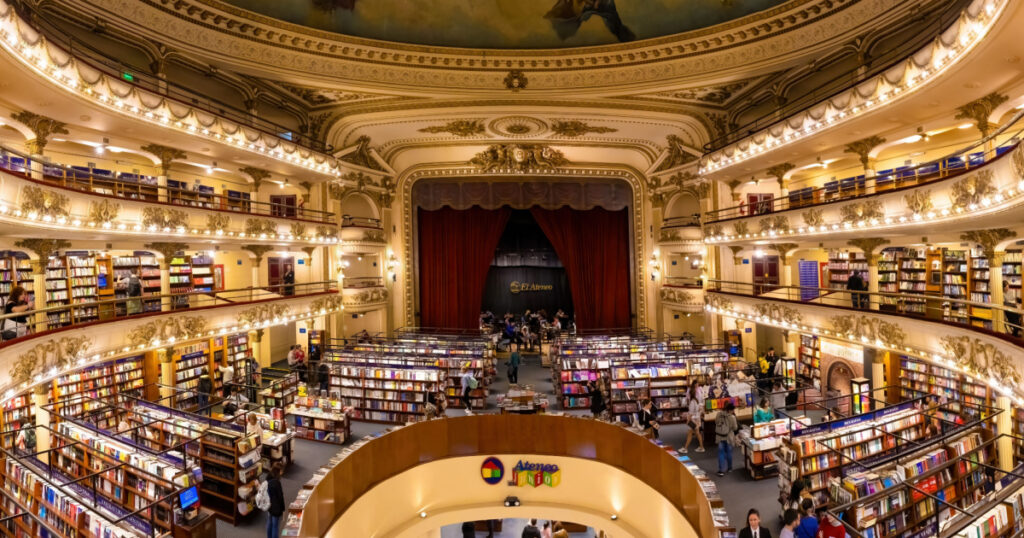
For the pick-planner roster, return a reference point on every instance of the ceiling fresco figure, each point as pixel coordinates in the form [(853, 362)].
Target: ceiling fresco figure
[(567, 15)]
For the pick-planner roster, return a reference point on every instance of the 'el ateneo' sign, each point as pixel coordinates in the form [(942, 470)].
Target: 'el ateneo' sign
[(519, 287), (523, 474)]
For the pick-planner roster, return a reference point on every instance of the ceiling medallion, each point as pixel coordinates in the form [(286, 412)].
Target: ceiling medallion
[(516, 80), (517, 127)]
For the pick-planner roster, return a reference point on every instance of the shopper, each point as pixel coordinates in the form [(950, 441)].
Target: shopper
[(253, 427), (17, 301), (648, 422), (289, 280), (597, 405), (763, 413), (323, 375), (790, 519), (469, 529), (725, 431), (531, 530), (754, 528), (778, 399), (467, 382), (227, 377), (204, 388), (132, 286), (513, 367), (808, 527), (560, 531), (830, 527), (276, 500), (430, 408), (546, 531), (694, 419), (799, 491), (855, 285)]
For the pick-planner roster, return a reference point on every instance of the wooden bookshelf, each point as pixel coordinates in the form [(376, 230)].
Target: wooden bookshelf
[(918, 378), (319, 419), (1012, 275), (202, 273), (980, 290), (808, 366), (888, 278), (145, 265), (913, 275), (82, 284), (56, 290), (282, 392), (17, 412), (760, 441), (393, 392), (123, 376), (955, 279), (231, 462), (189, 362), (841, 264), (180, 269)]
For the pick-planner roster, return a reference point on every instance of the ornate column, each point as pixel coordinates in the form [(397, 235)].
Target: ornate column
[(43, 249), (257, 175), (1004, 425), (41, 397), (862, 148), (258, 251), (868, 246), (785, 270), (979, 111), (878, 375), (989, 241), (256, 336), (42, 127), (167, 155), (779, 172), (168, 251), (165, 357)]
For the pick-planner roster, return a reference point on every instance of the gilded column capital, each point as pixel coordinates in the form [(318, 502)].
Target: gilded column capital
[(862, 148), (42, 127), (43, 248), (988, 240), (868, 245), (166, 154), (980, 109)]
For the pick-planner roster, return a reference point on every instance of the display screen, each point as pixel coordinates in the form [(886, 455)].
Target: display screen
[(188, 497)]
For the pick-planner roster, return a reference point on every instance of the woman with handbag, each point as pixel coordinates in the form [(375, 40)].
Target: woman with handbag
[(16, 326)]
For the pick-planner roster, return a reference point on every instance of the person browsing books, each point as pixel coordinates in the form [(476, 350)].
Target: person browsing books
[(790, 519)]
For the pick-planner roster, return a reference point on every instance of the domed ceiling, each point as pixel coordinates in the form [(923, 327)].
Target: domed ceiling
[(506, 24)]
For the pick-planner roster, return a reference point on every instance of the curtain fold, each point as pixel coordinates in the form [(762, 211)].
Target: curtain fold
[(593, 246), (455, 252)]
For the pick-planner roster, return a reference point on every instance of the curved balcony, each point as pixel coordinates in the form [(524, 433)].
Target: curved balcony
[(604, 470), (937, 329), (683, 293), (680, 231), (69, 200), (981, 186), (45, 351), (365, 231)]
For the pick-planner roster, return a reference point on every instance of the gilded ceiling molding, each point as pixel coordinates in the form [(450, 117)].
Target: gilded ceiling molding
[(989, 239), (165, 328), (103, 211), (862, 148), (576, 128), (856, 327), (55, 353), (868, 246), (362, 155), (778, 312), (167, 250), (44, 203), (159, 218), (44, 248), (676, 154), (42, 127), (460, 128), (979, 111), (518, 158), (166, 155), (862, 211), (919, 202), (981, 358), (969, 191)]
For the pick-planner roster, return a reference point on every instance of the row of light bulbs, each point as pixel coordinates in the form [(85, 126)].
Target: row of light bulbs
[(975, 30), (985, 204), (937, 358)]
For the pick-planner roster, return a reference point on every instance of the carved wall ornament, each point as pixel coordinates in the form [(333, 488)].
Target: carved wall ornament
[(518, 157), (44, 248), (741, 228), (387, 195), (658, 199), (297, 229), (460, 128), (167, 250), (362, 155), (167, 155), (982, 358), (44, 202), (258, 251), (874, 329), (717, 301), (736, 249), (676, 154), (971, 189), (703, 189), (159, 218), (671, 295), (257, 175), (778, 312), (309, 251), (783, 249), (779, 172), (713, 230), (217, 221), (42, 127), (862, 148), (103, 211), (59, 353), (868, 245), (919, 201), (166, 327), (1018, 161), (980, 110), (376, 295), (668, 235), (516, 80), (258, 227), (813, 217), (375, 236), (774, 222), (326, 231), (263, 313), (574, 128), (858, 211), (988, 239), (328, 303)]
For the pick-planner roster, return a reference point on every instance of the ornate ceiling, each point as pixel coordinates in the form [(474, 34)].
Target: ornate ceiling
[(505, 24)]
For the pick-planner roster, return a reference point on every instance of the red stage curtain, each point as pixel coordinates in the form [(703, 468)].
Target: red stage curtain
[(456, 250), (593, 245)]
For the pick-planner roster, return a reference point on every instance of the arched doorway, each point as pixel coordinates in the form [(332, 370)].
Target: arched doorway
[(838, 383)]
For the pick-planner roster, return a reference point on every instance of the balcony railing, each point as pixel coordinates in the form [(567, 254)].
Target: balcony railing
[(38, 321), (683, 282), (891, 56), (348, 221), (681, 222), (977, 316), (132, 186), (363, 282)]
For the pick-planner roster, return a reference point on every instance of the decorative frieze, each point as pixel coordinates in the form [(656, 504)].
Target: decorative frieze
[(919, 201), (103, 211), (263, 313), (56, 353), (460, 128), (328, 303), (719, 302), (159, 218), (813, 217), (778, 312), (167, 328), (371, 296), (981, 358), (217, 222), (968, 192), (862, 211), (297, 229), (518, 157), (44, 203), (873, 329), (677, 296), (576, 128), (774, 222), (259, 227)]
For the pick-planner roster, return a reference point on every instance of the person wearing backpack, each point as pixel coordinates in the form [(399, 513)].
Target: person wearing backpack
[(204, 388), (275, 506), (133, 289), (468, 384), (725, 430)]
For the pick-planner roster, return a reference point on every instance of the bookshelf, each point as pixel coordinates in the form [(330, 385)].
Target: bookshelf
[(231, 461), (146, 267), (23, 268), (123, 376), (841, 264), (393, 392), (202, 273), (319, 419), (1012, 275), (189, 362), (16, 411), (918, 378), (954, 285), (913, 272), (180, 269), (808, 368), (281, 393), (980, 290), (82, 285), (888, 278), (760, 441), (56, 289)]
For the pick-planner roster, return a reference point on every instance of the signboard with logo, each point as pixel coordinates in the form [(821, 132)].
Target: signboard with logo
[(524, 473), (518, 289)]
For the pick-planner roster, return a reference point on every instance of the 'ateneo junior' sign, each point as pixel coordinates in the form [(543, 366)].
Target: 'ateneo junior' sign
[(518, 287), (535, 474)]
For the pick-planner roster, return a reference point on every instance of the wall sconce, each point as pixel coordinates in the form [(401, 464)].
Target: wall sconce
[(655, 266), (392, 266)]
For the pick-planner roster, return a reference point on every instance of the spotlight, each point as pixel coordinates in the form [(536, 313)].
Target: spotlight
[(615, 517), (423, 515), (512, 501)]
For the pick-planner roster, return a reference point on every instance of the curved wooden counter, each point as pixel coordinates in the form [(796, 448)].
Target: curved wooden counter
[(484, 435)]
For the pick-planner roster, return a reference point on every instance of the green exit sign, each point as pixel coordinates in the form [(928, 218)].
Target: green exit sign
[(128, 76)]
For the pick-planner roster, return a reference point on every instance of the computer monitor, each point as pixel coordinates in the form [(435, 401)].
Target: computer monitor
[(188, 498)]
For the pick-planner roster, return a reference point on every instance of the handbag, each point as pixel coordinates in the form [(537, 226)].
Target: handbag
[(8, 334)]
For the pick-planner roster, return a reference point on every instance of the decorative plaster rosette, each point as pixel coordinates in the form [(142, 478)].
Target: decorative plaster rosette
[(517, 127)]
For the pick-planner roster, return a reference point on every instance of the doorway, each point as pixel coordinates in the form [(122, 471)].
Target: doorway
[(759, 204), (766, 274), (277, 267), (283, 205)]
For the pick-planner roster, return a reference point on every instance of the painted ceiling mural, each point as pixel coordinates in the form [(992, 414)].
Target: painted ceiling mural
[(506, 24)]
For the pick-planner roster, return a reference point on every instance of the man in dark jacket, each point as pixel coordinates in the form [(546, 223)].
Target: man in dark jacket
[(531, 530), (276, 494), (856, 284), (204, 388)]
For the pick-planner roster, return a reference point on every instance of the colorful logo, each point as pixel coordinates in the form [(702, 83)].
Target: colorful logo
[(492, 471), (535, 474)]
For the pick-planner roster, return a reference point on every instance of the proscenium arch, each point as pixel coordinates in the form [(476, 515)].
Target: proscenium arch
[(641, 243)]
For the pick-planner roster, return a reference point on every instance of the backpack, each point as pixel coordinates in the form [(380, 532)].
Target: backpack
[(263, 497), (473, 383), (722, 424), (134, 286)]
